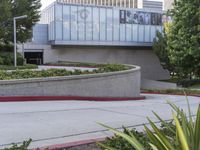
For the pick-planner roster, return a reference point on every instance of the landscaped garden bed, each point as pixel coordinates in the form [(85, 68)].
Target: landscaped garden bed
[(75, 64), (108, 81), (172, 91), (27, 66), (24, 74)]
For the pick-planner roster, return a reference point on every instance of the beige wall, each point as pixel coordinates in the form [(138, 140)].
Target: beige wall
[(150, 65)]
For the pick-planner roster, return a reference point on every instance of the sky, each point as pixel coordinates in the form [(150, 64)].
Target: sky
[(45, 3)]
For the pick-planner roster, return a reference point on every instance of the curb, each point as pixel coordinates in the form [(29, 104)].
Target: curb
[(195, 95), (70, 144), (65, 98)]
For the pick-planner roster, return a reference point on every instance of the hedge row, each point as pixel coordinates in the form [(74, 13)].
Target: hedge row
[(7, 58), (24, 74), (27, 66)]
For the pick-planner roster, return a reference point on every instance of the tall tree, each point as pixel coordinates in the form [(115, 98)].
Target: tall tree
[(14, 8), (184, 38), (5, 20), (160, 48), (31, 8)]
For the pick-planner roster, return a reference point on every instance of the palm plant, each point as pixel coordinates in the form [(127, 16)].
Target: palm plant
[(186, 134)]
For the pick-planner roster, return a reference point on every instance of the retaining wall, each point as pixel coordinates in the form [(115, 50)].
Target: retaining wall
[(116, 84), (143, 57)]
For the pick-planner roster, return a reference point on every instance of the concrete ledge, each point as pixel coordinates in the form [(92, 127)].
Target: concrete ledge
[(120, 84)]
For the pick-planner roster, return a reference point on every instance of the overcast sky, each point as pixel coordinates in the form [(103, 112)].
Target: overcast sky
[(45, 3)]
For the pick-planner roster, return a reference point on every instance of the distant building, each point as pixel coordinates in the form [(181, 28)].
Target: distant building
[(100, 32), (150, 4), (168, 4), (113, 3)]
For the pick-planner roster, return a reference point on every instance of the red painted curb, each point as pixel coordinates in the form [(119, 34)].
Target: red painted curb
[(71, 144), (65, 98), (195, 95)]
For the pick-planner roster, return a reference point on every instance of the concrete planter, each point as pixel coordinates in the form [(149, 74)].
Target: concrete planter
[(114, 84)]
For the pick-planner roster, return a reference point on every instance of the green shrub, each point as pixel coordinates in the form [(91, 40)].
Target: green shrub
[(24, 74), (8, 58), (6, 48), (27, 66), (1, 61), (188, 83), (120, 143), (173, 91), (112, 67), (182, 134)]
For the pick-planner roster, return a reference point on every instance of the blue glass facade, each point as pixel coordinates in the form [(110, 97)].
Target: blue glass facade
[(96, 25)]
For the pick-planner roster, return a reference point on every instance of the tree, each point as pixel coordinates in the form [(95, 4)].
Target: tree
[(5, 11), (183, 41), (31, 8), (160, 48), (13, 8)]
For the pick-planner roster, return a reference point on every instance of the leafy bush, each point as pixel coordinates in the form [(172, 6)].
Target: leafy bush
[(8, 58), (112, 67), (188, 83), (172, 91), (24, 74), (1, 60), (182, 134), (24, 146), (78, 64), (6, 48), (27, 66), (120, 143)]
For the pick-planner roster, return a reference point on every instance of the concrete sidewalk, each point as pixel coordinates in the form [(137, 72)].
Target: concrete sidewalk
[(49, 123)]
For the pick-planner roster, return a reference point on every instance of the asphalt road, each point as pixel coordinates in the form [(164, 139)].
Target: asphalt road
[(57, 122)]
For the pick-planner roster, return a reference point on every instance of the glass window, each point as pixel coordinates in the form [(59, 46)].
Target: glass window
[(82, 14), (116, 25), (122, 32), (128, 32), (102, 24), (109, 26), (58, 12), (88, 18), (66, 22), (135, 32), (147, 33), (73, 17), (141, 33), (95, 24), (153, 32), (59, 30)]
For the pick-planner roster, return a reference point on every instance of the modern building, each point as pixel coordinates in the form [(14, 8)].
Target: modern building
[(151, 4), (100, 32), (168, 4), (113, 3)]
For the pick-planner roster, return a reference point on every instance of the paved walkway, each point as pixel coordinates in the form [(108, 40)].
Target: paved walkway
[(49, 123)]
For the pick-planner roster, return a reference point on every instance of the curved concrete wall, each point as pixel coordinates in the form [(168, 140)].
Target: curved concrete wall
[(115, 84)]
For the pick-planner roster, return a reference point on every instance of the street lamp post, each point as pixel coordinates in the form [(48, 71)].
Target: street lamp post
[(15, 38)]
